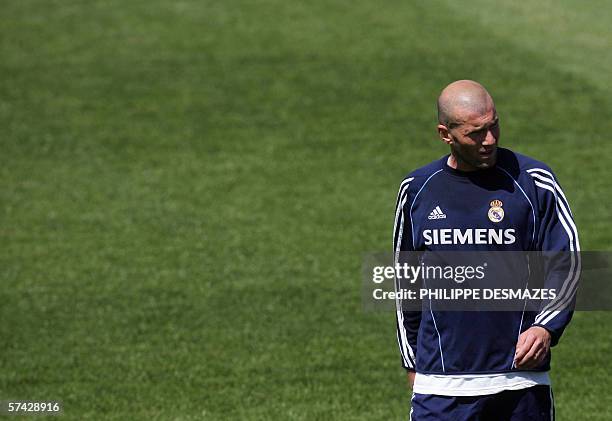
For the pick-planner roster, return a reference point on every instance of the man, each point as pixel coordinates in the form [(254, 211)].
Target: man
[(482, 365)]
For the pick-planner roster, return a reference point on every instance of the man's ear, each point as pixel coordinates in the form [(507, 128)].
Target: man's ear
[(444, 134)]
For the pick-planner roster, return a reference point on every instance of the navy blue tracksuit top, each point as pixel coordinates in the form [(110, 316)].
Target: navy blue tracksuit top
[(517, 205)]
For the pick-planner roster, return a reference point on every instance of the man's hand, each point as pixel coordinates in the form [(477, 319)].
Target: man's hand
[(411, 375), (532, 347)]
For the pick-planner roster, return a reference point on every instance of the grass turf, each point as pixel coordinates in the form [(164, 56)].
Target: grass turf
[(189, 188)]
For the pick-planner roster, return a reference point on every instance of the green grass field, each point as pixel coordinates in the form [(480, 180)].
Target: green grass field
[(189, 188)]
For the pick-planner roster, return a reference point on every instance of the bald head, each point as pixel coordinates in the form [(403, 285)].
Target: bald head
[(462, 99)]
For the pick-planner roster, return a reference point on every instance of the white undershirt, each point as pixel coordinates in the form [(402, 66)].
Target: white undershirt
[(477, 384)]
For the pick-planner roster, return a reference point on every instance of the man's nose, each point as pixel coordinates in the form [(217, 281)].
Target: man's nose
[(490, 139)]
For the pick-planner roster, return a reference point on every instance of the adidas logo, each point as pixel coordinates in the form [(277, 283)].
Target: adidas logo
[(437, 214)]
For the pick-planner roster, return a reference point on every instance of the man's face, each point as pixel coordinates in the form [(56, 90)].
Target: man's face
[(473, 139)]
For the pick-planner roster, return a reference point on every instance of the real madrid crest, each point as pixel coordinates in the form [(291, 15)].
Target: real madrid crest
[(496, 213)]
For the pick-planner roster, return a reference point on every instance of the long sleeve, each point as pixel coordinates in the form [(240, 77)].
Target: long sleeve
[(407, 321), (557, 239)]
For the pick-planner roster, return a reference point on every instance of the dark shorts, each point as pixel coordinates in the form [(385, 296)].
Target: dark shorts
[(532, 404)]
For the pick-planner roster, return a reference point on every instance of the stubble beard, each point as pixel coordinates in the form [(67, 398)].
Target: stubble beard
[(474, 164)]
